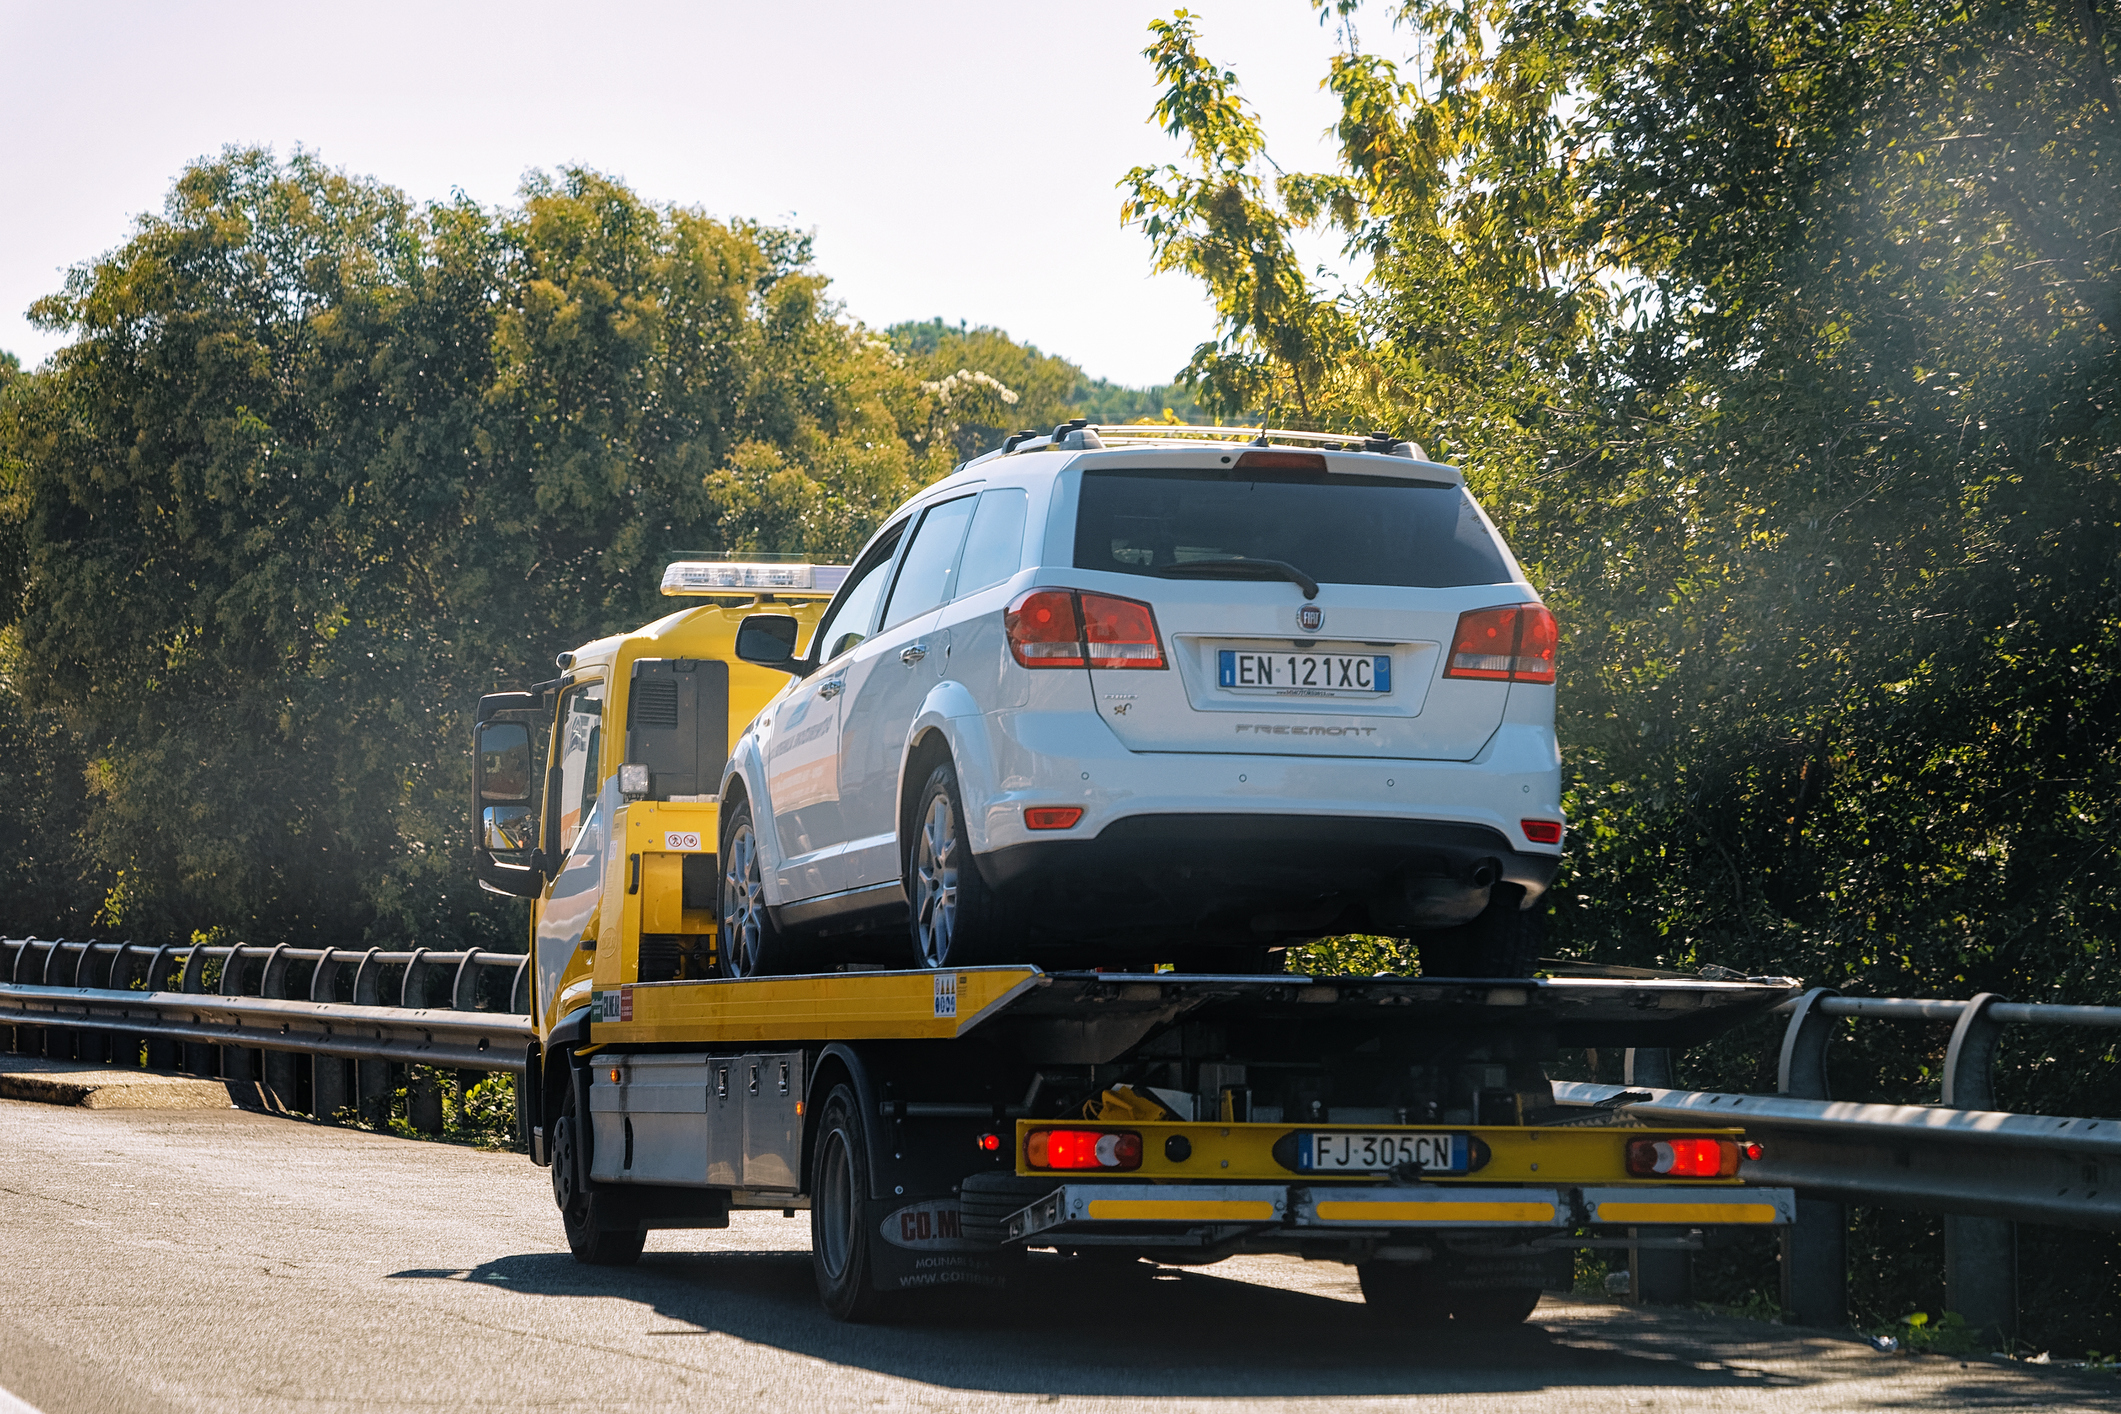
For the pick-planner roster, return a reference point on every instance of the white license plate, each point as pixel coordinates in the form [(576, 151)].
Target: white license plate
[(1245, 669), (1352, 1151)]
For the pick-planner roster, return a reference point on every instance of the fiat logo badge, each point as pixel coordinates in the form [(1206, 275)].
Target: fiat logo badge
[(1310, 618)]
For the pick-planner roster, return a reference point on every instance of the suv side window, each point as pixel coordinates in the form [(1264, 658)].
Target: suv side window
[(924, 577), (581, 747), (994, 547), (846, 623)]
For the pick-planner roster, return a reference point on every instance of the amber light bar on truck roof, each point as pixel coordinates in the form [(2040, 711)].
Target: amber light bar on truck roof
[(751, 576)]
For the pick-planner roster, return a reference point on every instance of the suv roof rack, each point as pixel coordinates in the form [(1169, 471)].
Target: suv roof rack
[(1084, 435)]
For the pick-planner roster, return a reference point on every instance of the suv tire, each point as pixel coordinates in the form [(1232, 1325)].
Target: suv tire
[(1503, 941), (750, 945), (953, 918)]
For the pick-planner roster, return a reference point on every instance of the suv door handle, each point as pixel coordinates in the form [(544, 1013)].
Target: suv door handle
[(913, 653), (833, 688)]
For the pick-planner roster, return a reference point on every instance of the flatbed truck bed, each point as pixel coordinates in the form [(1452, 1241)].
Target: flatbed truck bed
[(939, 1125)]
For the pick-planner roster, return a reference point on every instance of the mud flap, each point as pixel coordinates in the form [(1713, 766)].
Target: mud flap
[(922, 1244)]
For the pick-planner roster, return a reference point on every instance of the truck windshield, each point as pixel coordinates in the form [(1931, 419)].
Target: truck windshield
[(1337, 529)]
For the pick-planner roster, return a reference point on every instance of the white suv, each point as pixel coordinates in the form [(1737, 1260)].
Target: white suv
[(1122, 695)]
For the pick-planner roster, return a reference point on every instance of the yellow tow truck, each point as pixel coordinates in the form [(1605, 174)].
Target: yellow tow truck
[(938, 1125)]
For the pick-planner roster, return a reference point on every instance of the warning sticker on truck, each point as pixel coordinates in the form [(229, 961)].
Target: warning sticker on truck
[(681, 840), (615, 1006), (946, 994)]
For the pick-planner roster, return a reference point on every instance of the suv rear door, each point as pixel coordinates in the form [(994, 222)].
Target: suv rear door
[(1252, 663)]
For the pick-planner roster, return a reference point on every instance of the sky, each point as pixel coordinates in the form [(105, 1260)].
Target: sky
[(954, 159)]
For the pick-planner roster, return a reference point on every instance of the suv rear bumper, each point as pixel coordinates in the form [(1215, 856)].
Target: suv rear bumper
[(1261, 879)]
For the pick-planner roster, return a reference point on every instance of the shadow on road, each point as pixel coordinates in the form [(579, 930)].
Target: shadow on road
[(1076, 1328)]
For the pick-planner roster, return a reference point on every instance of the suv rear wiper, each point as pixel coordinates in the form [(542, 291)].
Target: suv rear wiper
[(1242, 568)]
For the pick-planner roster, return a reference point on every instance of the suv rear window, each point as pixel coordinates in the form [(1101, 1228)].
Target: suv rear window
[(1337, 529)]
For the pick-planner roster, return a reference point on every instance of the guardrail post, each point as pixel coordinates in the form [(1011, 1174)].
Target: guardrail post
[(58, 1041), (371, 1078), (1815, 1267), (423, 1096), (161, 1054), (329, 1087), (1663, 1276), (1980, 1254), (239, 1067), (279, 1087), (464, 996), (199, 1059)]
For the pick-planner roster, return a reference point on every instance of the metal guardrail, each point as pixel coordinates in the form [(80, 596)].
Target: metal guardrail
[(300, 1030), (1985, 1169)]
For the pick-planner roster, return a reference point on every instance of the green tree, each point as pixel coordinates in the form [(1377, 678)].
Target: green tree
[(319, 466), (1782, 343)]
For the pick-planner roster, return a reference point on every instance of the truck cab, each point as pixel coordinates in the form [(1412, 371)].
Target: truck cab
[(594, 793)]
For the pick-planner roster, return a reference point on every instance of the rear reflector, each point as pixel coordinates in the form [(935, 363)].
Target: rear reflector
[(1055, 628), (1083, 1149), (1511, 644), (1684, 1158), (1281, 461), (1541, 831), (1045, 630), (1052, 817)]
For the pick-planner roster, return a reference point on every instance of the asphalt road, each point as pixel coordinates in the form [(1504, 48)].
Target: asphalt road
[(220, 1260)]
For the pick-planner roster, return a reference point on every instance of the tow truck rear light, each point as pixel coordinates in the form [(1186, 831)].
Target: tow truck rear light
[(1045, 629), (1083, 1149), (1122, 633), (1511, 644), (1687, 1157)]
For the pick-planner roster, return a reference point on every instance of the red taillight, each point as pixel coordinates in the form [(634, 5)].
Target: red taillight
[(1049, 628), (1683, 1158), (1083, 1149), (990, 1143), (1044, 629), (1122, 633), (1513, 644), (1278, 460), (1541, 831), (1052, 817)]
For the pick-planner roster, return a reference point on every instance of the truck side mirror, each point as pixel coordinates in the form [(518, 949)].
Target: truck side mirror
[(504, 831), (769, 641)]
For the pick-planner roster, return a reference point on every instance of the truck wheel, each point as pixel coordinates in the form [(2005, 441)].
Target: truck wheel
[(592, 1235), (1503, 1306), (842, 1219), (1403, 1293), (956, 922), (750, 946), (1502, 942)]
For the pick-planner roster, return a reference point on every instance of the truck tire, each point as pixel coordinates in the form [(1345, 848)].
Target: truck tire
[(842, 1218), (750, 944), (1500, 1306), (598, 1230), (955, 921), (1503, 941), (1403, 1293)]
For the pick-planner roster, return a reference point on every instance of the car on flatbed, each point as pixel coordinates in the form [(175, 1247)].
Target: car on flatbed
[(1129, 696), (951, 1127)]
